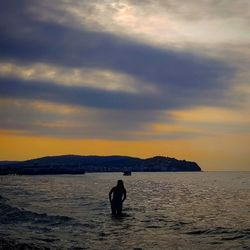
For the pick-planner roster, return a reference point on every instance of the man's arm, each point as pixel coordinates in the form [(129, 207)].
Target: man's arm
[(110, 194), (124, 195)]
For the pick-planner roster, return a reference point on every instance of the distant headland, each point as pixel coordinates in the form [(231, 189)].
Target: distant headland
[(76, 164)]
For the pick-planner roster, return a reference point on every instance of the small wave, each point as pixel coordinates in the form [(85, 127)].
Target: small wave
[(197, 232), (153, 226), (135, 209), (11, 244), (47, 240), (9, 214), (234, 237), (223, 233)]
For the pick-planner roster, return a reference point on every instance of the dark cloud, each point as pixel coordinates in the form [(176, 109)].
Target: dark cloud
[(32, 41), (103, 99), (54, 44)]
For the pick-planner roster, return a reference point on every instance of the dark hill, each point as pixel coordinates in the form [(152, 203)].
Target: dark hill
[(75, 164)]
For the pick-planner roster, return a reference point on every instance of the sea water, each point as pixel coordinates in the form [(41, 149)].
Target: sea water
[(201, 210)]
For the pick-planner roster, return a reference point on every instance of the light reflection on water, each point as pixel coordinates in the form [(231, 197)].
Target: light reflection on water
[(163, 211)]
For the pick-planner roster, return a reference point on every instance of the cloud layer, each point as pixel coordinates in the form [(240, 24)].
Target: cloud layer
[(128, 76)]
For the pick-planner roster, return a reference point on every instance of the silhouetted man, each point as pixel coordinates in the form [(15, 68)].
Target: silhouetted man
[(119, 196)]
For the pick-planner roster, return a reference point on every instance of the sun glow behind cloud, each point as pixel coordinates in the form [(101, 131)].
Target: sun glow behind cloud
[(124, 77), (161, 23)]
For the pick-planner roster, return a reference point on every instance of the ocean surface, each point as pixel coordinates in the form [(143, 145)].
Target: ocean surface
[(207, 210)]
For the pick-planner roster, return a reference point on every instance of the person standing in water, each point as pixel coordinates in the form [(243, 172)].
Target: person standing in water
[(119, 196)]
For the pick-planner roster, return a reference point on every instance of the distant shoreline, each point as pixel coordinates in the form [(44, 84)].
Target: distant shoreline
[(76, 164)]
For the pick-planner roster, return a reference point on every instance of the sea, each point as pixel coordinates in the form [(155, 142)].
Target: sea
[(192, 210)]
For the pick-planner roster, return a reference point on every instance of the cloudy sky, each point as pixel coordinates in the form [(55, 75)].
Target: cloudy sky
[(138, 78)]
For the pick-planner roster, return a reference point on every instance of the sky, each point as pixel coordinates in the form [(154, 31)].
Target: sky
[(138, 78)]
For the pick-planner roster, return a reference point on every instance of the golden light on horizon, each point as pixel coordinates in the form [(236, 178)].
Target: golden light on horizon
[(213, 154)]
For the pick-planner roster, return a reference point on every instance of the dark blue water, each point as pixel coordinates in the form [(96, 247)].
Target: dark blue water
[(163, 211)]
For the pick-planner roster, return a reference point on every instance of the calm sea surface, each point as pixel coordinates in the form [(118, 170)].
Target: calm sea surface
[(208, 210)]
